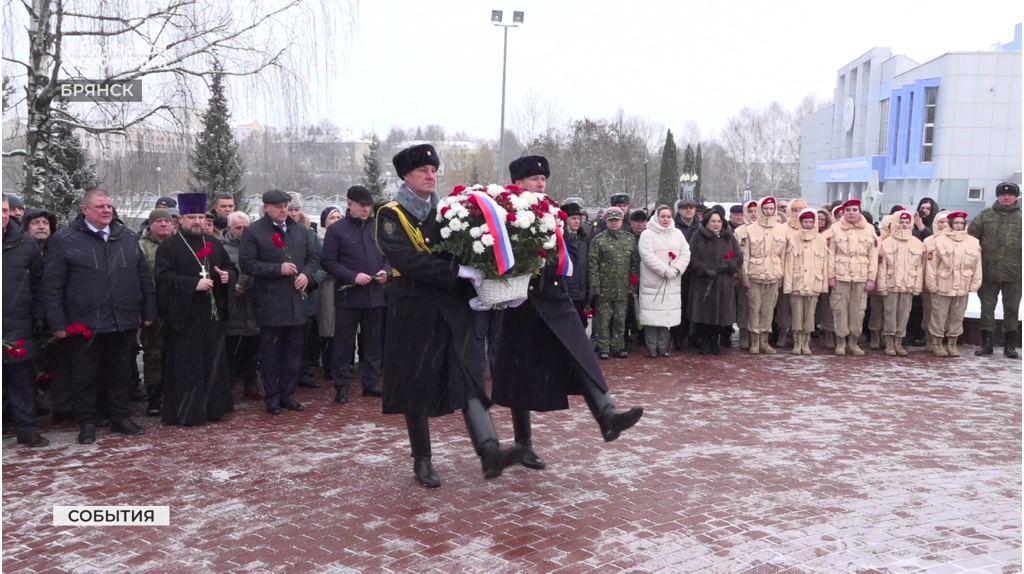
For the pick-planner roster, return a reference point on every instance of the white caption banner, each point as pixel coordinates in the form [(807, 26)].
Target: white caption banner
[(111, 515)]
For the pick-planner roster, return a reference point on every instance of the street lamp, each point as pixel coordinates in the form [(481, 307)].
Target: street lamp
[(647, 201), (158, 194), (517, 19), (687, 182)]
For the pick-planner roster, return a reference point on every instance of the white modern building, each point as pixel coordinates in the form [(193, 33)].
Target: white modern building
[(948, 129)]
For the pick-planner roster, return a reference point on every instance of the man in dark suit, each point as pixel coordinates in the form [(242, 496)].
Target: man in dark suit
[(545, 353), (97, 280), (435, 365), (279, 255)]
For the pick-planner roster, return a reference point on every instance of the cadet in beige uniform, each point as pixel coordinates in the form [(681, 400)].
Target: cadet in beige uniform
[(939, 224), (742, 302), (805, 277), (953, 271), (762, 267), (900, 279), (783, 314), (853, 266)]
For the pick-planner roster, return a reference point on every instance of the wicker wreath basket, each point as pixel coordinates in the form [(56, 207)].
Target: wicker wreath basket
[(495, 291)]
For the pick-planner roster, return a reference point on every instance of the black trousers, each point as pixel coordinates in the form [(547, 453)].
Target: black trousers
[(243, 357), (488, 336), (280, 357), (18, 387), (346, 322), (101, 362)]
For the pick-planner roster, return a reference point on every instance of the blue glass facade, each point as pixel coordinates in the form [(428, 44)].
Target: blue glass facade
[(906, 128)]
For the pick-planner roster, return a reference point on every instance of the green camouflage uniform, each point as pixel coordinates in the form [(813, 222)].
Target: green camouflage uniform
[(998, 229), (612, 262), (153, 335)]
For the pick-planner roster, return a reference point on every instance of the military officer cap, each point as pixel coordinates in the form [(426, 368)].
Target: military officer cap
[(528, 166), (613, 214), (413, 157), (1008, 188), (637, 215), (571, 209), (276, 196), (360, 194), (619, 199)]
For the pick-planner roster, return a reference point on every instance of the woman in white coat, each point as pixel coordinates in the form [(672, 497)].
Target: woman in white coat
[(664, 255)]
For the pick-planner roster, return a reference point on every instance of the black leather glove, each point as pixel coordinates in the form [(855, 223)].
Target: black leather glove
[(723, 268), (711, 273)]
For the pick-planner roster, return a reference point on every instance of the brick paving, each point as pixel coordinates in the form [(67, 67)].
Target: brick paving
[(740, 464)]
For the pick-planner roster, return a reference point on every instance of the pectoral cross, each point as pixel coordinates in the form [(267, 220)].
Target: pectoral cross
[(203, 273)]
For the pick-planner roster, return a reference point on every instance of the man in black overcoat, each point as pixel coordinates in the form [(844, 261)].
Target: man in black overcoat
[(434, 363), (279, 255), (545, 353)]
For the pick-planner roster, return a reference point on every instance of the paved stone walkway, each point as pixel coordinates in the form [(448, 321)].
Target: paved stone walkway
[(740, 464)]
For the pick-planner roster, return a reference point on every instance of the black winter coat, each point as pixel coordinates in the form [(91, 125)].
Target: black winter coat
[(22, 280), (350, 248), (708, 252), (278, 303), (544, 349), (579, 247), (105, 285), (434, 362)]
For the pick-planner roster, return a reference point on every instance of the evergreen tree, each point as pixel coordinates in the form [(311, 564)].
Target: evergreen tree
[(216, 164), (697, 160), (474, 176), (668, 182), (71, 173), (372, 180)]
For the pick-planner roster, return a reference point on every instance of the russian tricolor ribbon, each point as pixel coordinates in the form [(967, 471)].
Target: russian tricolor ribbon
[(564, 262), (496, 226)]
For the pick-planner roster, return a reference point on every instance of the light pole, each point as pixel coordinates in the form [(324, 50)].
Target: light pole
[(687, 182), (517, 19), (158, 194), (647, 201)]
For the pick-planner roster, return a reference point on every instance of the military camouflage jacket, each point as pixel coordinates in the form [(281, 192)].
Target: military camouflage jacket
[(998, 229), (612, 262)]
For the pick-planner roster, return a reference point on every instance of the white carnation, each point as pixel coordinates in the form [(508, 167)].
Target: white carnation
[(450, 214), (446, 233), (530, 197), (456, 225), (478, 247), (550, 244), (494, 190), (487, 240), (474, 232)]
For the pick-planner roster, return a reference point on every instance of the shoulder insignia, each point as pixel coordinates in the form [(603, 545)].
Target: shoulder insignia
[(389, 229), (930, 255), (742, 241)]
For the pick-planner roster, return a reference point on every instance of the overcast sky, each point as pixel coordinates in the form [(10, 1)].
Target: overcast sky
[(439, 61)]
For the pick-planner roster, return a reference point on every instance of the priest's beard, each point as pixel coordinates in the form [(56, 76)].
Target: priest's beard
[(192, 232)]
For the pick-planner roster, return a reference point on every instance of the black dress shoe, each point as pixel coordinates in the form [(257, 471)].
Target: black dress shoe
[(374, 391), (87, 434), (602, 356), (529, 457), (35, 439), (425, 473), (341, 395), (293, 405), (309, 384), (126, 426), (622, 354), (274, 409), (495, 460), (614, 422)]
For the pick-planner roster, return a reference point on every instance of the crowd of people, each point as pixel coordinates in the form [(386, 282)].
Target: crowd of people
[(209, 296)]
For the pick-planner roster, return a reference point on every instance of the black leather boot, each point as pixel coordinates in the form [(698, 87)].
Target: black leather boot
[(612, 422), (1010, 344), (419, 440), (493, 458), (986, 344), (155, 396), (524, 440)]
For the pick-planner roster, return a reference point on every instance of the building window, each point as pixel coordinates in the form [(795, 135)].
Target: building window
[(910, 123), (976, 194), (899, 108), (883, 125), (931, 96)]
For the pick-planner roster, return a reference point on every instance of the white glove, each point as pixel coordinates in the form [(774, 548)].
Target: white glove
[(475, 276), (477, 305)]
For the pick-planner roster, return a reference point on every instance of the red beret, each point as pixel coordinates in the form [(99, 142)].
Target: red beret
[(836, 210), (851, 202), (956, 214), (906, 215), (768, 199)]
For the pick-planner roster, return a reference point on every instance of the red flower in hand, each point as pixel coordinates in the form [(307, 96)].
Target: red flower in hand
[(20, 352), (561, 215), (19, 343), (588, 313), (278, 240), (87, 334), (671, 256), (730, 255), (632, 279)]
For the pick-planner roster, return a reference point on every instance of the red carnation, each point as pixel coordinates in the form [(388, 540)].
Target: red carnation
[(459, 189), (510, 217), (445, 210), (671, 255), (87, 334), (542, 253), (543, 205), (562, 215), (730, 255), (19, 343), (513, 188), (72, 329), (278, 240), (588, 313), (632, 279), (10, 351), (43, 377)]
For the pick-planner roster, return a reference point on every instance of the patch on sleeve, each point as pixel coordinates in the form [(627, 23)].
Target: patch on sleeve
[(743, 242), (880, 257), (389, 229), (930, 256), (876, 243), (828, 241)]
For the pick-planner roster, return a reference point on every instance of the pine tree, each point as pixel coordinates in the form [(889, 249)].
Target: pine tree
[(474, 175), (71, 172), (372, 180), (668, 182), (216, 164), (697, 160)]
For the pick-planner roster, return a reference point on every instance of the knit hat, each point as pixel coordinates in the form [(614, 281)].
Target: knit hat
[(159, 213)]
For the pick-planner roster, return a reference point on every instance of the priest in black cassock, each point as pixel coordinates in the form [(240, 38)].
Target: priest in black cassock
[(194, 280)]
